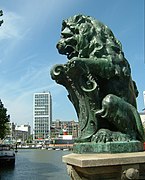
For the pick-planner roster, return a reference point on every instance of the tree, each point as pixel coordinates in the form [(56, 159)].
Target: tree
[(1, 13), (4, 119)]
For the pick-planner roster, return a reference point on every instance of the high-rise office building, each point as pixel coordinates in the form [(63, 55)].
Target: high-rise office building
[(42, 115)]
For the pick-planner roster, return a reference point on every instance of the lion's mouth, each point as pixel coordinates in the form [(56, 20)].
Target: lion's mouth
[(65, 47), (70, 51)]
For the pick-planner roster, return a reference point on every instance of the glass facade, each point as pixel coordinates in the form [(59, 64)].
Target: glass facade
[(42, 115)]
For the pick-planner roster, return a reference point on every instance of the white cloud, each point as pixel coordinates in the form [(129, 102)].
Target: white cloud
[(10, 28), (17, 95)]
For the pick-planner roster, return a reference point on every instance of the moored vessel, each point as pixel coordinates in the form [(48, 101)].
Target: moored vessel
[(7, 155)]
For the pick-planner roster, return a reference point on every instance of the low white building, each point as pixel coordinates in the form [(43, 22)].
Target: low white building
[(22, 132), (25, 128)]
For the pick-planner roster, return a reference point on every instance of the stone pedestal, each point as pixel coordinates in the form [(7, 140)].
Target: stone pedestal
[(119, 166)]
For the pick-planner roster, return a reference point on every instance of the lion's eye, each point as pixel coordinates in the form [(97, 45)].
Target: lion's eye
[(66, 33), (64, 24), (74, 30)]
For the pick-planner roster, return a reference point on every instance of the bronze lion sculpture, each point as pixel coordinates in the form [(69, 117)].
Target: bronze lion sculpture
[(98, 79)]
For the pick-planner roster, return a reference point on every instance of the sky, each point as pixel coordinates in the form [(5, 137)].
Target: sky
[(28, 39)]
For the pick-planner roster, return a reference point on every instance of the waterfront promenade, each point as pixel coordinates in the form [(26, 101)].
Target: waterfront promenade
[(49, 146)]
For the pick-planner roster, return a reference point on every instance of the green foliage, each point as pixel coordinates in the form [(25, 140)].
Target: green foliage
[(1, 13), (30, 139), (4, 119)]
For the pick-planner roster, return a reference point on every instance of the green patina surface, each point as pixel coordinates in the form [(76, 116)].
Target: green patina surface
[(109, 147), (98, 79)]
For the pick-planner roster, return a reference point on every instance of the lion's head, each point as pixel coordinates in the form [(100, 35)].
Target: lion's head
[(84, 37)]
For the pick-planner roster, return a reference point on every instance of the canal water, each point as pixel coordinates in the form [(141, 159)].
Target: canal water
[(37, 164)]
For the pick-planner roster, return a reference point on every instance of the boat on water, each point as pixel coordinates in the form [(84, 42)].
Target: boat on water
[(7, 155)]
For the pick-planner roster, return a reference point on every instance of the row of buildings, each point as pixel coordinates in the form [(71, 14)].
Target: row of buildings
[(19, 133), (58, 130), (43, 127)]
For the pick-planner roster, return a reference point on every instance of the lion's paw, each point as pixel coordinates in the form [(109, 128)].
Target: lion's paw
[(118, 136), (103, 135)]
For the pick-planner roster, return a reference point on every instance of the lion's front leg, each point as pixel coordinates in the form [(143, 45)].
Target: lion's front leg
[(58, 74), (75, 67), (123, 116)]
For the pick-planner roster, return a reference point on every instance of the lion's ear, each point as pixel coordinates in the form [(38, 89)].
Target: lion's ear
[(63, 24), (79, 19)]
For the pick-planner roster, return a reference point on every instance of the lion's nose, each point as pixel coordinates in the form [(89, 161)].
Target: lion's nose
[(66, 33)]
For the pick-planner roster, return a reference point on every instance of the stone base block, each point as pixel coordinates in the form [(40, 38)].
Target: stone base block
[(109, 147), (106, 166)]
